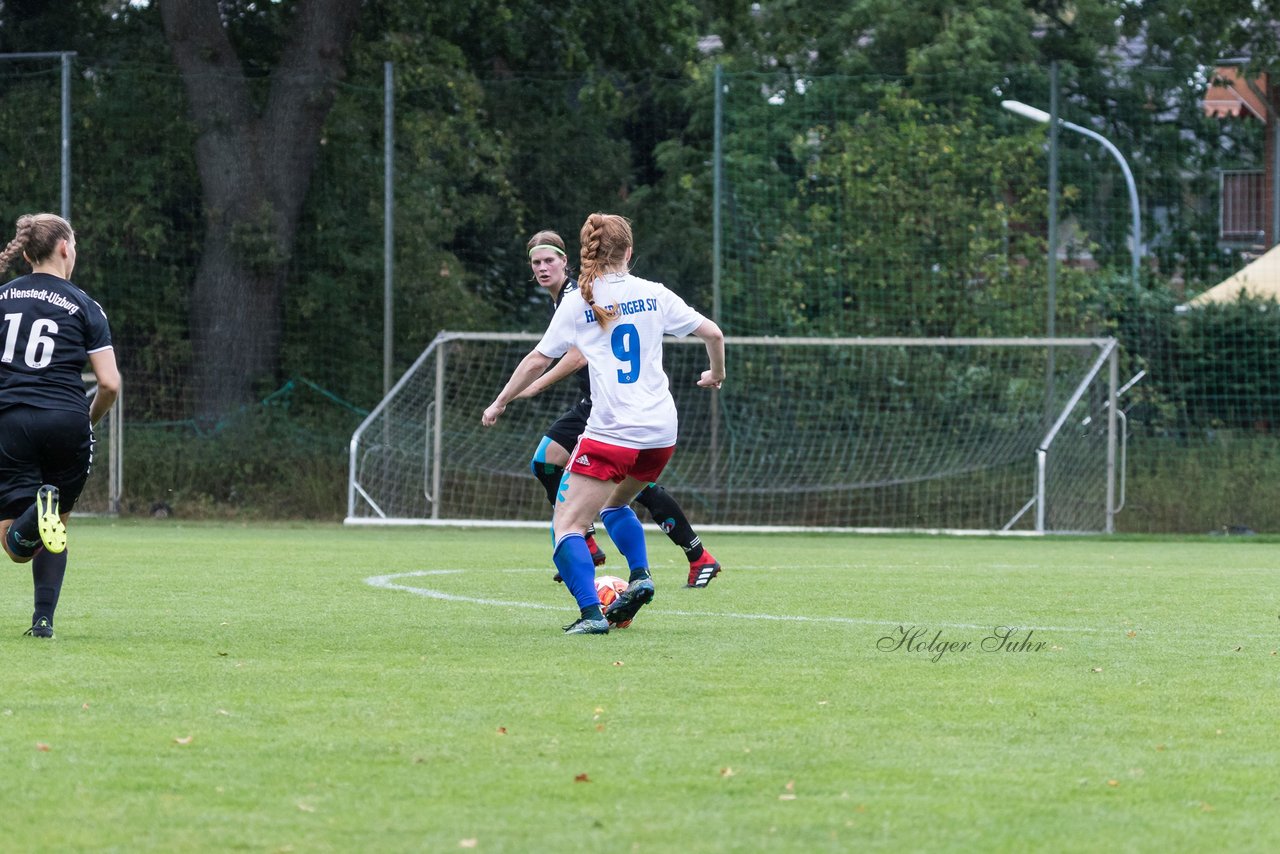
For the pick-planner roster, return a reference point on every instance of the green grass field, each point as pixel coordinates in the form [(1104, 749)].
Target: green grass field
[(228, 687)]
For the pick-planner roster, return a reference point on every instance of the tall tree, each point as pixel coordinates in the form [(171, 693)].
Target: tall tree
[(255, 159)]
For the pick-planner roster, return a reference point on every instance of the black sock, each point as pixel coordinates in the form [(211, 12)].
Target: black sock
[(20, 545), (592, 612), (549, 476), (47, 572), (24, 533), (637, 574), (671, 519)]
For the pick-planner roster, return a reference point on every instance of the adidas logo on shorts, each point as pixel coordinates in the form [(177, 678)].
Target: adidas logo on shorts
[(582, 461)]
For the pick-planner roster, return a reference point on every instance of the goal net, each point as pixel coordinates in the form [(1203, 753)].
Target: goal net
[(831, 433)]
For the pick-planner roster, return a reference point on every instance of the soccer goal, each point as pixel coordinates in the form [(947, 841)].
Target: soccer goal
[(874, 434)]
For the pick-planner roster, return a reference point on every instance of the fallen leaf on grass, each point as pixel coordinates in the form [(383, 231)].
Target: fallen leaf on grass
[(184, 739), (1113, 783), (84, 706), (502, 730), (599, 727), (305, 807), (726, 772), (1096, 670), (617, 664), (1131, 634), (787, 797), (791, 785), (468, 843), (42, 747), (582, 778), (1204, 807)]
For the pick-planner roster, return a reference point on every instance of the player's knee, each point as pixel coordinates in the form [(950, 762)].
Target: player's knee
[(540, 455)]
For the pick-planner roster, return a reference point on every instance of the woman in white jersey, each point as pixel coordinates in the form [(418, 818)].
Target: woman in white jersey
[(617, 321), (549, 263)]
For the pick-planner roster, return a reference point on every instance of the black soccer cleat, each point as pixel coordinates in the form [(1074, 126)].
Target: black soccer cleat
[(587, 626), (623, 610), (41, 628)]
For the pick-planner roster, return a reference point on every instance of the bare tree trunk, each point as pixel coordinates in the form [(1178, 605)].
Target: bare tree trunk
[(255, 168)]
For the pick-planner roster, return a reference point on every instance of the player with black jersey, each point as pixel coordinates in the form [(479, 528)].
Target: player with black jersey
[(50, 330), (549, 263)]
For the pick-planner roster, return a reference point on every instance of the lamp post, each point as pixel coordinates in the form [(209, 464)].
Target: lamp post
[(1037, 115)]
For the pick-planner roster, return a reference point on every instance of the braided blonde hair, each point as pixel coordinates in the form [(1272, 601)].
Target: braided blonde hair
[(604, 240), (35, 239)]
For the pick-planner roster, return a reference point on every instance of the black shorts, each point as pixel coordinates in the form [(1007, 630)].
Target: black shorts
[(39, 446), (569, 427)]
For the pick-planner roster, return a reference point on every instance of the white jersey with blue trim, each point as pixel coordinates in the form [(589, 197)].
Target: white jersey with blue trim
[(631, 396)]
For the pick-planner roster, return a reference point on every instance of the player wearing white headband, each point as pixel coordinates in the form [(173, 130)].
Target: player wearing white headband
[(550, 267), (616, 322)]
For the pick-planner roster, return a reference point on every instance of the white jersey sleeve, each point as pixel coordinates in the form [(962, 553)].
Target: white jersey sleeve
[(679, 318), (561, 333)]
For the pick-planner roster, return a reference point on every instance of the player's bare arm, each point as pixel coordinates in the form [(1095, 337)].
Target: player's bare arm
[(568, 365), (104, 368), (713, 339), (529, 369)]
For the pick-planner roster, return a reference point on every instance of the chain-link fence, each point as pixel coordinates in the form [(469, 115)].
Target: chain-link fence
[(844, 207)]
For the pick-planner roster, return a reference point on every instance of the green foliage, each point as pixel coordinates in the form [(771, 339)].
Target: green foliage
[(1221, 480), (873, 184), (286, 458), (1226, 361), (1206, 368), (904, 219)]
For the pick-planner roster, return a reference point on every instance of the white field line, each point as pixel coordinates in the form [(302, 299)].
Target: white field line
[(391, 582)]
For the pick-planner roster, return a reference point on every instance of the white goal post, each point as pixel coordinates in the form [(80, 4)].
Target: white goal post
[(1015, 435)]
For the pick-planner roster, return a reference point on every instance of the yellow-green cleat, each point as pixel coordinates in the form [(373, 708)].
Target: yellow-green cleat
[(52, 532)]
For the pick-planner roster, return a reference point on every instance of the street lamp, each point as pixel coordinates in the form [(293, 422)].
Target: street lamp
[(1036, 115)]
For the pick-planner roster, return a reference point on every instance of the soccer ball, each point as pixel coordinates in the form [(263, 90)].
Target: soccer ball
[(607, 588)]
